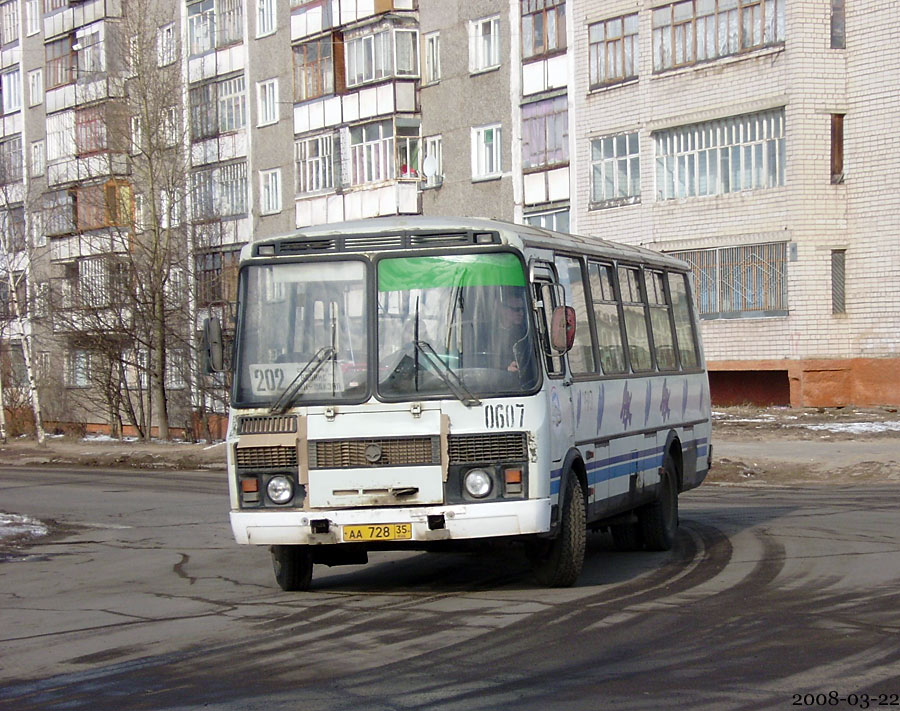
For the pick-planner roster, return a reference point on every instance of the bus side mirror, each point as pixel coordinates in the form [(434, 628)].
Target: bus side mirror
[(562, 329), (213, 350)]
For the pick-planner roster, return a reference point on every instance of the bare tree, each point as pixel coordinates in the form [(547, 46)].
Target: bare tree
[(16, 271)]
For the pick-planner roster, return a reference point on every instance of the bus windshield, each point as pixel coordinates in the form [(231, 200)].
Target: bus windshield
[(447, 326), (303, 328), (451, 319)]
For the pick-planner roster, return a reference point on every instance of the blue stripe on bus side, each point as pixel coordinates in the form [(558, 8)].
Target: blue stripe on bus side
[(623, 464)]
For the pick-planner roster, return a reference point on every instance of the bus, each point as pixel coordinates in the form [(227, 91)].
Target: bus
[(412, 383)]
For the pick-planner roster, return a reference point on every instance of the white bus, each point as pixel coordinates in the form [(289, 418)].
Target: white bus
[(421, 383)]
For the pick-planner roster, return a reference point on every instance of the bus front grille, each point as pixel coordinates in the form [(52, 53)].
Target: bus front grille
[(263, 424), (509, 446), (266, 458), (378, 452)]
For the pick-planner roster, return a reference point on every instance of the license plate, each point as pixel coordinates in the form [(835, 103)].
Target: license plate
[(378, 532)]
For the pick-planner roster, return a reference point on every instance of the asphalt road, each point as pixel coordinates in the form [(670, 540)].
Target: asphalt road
[(771, 597)]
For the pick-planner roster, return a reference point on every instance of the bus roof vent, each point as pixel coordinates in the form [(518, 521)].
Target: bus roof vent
[(306, 246), (444, 238), (360, 242)]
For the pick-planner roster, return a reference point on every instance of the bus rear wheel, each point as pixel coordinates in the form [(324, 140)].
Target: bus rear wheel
[(293, 567), (659, 520), (557, 563)]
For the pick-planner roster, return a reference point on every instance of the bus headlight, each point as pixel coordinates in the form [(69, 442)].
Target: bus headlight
[(478, 483), (280, 489)]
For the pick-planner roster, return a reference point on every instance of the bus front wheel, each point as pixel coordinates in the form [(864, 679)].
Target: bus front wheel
[(293, 567), (557, 563), (659, 520)]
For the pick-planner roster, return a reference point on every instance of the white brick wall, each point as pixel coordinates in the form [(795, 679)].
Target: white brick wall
[(811, 81)]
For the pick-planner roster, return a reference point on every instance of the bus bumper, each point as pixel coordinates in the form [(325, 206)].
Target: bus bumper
[(459, 522)]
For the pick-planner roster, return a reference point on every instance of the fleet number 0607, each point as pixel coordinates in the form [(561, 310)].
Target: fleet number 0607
[(500, 417)]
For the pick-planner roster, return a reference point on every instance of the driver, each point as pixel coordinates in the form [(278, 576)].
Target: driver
[(512, 328)]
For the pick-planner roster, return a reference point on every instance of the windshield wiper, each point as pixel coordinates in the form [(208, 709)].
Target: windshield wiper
[(445, 372), (307, 372)]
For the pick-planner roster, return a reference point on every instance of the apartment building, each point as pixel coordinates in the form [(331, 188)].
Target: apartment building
[(753, 138), (750, 138)]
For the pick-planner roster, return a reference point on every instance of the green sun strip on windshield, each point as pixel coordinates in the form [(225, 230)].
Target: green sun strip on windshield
[(404, 273)]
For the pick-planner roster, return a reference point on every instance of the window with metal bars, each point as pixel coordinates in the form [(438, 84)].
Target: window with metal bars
[(748, 280)]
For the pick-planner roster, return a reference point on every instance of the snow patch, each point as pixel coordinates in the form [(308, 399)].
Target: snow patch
[(16, 525)]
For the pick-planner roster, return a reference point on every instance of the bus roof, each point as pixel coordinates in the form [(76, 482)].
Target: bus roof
[(418, 231)]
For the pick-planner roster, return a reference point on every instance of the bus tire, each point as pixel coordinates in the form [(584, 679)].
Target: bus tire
[(659, 520), (293, 567), (558, 563)]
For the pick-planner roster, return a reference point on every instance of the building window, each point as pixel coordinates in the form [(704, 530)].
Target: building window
[(614, 54), (487, 152), (838, 286), (409, 144), (433, 165), (89, 55), (406, 52), (557, 220), (59, 212), (545, 133), (314, 161), (232, 194), (267, 102), (9, 22), (53, 5), (371, 152), (77, 368), (270, 191), (11, 160), (203, 102), (749, 280), (217, 274), (543, 27), (37, 158), (432, 57), (201, 23), (838, 33), (12, 91), (165, 45), (837, 148), (265, 17), (176, 367), (220, 191), (105, 205), (314, 69), (60, 136), (32, 17), (615, 170), (90, 130), (369, 58), (484, 44), (35, 87), (699, 30), (232, 104), (61, 62), (722, 156)]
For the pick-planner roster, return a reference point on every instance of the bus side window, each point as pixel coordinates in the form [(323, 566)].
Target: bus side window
[(636, 330), (660, 320), (606, 318), (684, 324), (545, 296), (581, 357)]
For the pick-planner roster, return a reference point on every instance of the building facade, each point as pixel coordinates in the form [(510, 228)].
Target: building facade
[(144, 143)]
